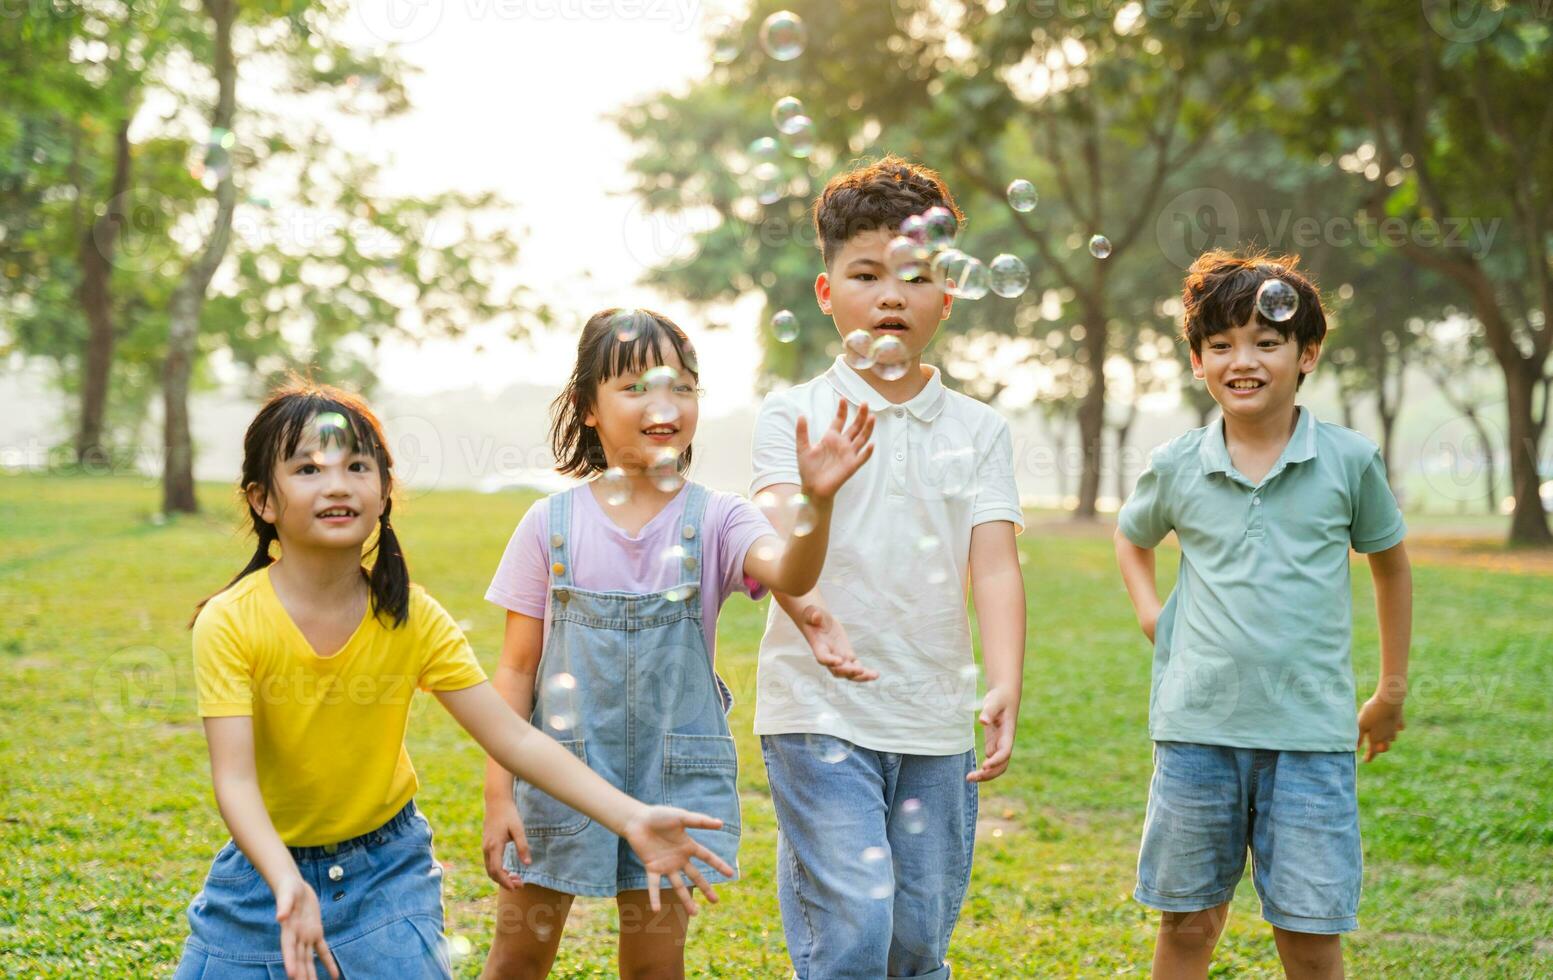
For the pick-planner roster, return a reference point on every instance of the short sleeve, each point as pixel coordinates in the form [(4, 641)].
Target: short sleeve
[(223, 668), (1145, 518), (447, 662), (741, 525), (997, 494), (1377, 520), (522, 579), (773, 451)]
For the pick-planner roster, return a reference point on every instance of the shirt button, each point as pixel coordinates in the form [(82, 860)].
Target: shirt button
[(689, 532), (563, 595), (336, 873), (900, 455), (558, 568), (900, 413), (690, 562), (556, 540), (1256, 500)]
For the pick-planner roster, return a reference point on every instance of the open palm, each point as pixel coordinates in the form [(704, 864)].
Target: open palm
[(825, 465)]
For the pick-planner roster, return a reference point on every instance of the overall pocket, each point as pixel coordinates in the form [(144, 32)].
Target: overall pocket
[(701, 773), (544, 815)]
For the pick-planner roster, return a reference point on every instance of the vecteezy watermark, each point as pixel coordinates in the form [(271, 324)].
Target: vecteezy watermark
[(1463, 21), (136, 687), (1194, 222), (1455, 460), (408, 21)]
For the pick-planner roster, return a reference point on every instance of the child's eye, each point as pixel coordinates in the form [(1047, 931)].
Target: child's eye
[(683, 389), (864, 276), (360, 466), (636, 388), (307, 469)]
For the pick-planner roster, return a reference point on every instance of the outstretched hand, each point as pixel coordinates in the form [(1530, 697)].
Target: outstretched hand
[(825, 465), (657, 835), (829, 643), (301, 931)]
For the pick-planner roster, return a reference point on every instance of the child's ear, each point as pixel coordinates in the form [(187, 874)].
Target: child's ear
[(822, 292), (260, 502), (1197, 368), (1309, 356)]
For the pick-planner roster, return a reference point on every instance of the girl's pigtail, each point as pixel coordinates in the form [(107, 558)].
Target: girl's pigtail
[(390, 579), (261, 559)]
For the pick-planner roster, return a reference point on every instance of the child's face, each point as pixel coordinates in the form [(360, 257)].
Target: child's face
[(860, 292), (326, 495), (638, 414), (1252, 370)]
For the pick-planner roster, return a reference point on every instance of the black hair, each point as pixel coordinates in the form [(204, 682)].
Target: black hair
[(613, 342), (876, 195), (274, 434), (1219, 294)]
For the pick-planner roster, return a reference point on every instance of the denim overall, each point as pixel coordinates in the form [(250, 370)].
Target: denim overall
[(626, 684)]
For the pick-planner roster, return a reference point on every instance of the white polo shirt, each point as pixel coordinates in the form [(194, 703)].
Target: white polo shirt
[(896, 575)]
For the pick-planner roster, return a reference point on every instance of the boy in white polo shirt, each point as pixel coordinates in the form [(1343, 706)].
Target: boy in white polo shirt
[(866, 684)]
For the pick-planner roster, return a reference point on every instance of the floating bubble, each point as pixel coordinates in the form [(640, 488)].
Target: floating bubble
[(770, 185), (876, 871), (1099, 246), (616, 485), (784, 326), (783, 35), (802, 514), (659, 378), (857, 350), (626, 325), (798, 138), (558, 696), (334, 438), (1008, 276), (941, 226), (767, 502), (908, 259), (725, 39), (459, 947), (891, 359), (662, 413), (1022, 196), (786, 112), (928, 544), (973, 282), (829, 749), (663, 470), (947, 265), (1276, 300), (913, 818), (915, 228), (763, 150)]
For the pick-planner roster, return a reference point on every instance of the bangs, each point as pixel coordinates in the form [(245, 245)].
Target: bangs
[(635, 340), (299, 416)]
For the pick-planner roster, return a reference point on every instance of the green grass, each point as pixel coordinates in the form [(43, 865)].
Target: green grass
[(109, 825)]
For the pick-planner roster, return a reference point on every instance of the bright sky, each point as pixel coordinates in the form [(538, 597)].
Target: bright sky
[(513, 96)]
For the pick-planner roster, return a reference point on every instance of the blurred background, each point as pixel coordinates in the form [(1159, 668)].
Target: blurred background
[(424, 200)]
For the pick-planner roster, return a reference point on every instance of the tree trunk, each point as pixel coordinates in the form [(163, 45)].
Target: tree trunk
[(94, 256), (1529, 524), (1121, 447), (1491, 463), (1091, 410), (188, 300)]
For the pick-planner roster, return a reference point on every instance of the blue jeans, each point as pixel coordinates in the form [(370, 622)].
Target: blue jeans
[(873, 855), (1297, 812), (380, 895)]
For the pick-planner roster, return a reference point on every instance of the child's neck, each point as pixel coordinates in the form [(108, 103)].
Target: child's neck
[(1265, 433), (645, 502), (904, 388), (320, 576)]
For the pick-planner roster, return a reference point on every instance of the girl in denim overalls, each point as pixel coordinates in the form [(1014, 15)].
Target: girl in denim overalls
[(612, 590), (304, 667)]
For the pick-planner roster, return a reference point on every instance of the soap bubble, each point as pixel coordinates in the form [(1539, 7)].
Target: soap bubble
[(1022, 196), (783, 35), (857, 350), (786, 110), (770, 185), (617, 486), (784, 326), (913, 819), (802, 514), (908, 259), (334, 437), (1008, 275), (662, 413), (829, 749), (659, 378), (941, 226), (663, 470), (877, 873), (973, 281), (626, 324), (558, 698), (798, 138), (725, 39), (891, 359), (915, 228), (1276, 300), (1099, 246), (763, 150)]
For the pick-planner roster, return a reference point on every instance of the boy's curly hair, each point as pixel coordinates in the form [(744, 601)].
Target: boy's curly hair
[(873, 196), (1219, 294)]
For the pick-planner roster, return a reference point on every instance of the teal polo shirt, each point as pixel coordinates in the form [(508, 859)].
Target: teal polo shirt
[(1252, 648)]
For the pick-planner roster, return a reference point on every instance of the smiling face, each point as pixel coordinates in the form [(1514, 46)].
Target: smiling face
[(1252, 370), (860, 292), (329, 493), (639, 413)]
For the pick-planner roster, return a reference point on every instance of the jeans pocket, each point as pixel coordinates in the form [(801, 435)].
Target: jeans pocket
[(544, 815), (701, 773), (231, 866)]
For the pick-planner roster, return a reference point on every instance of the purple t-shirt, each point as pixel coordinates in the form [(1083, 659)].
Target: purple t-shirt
[(606, 559)]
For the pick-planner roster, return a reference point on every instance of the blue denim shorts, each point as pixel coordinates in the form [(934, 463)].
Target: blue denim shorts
[(1298, 812), (380, 896)]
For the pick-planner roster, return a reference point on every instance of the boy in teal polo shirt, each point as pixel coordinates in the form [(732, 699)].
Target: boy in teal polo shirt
[(1252, 702)]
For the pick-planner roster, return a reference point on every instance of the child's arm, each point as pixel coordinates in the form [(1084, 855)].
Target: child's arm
[(1381, 717), (998, 590), (1137, 565), (514, 681), (827, 639), (655, 833), (236, 783), (824, 467)]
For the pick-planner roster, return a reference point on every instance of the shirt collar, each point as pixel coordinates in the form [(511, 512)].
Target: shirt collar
[(1302, 446), (924, 405)]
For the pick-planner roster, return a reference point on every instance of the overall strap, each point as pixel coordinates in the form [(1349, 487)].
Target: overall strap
[(560, 527)]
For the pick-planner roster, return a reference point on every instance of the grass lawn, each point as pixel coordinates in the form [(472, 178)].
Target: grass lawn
[(109, 823)]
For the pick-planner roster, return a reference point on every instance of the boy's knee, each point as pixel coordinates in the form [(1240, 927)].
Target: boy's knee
[(1310, 954), (1193, 929)]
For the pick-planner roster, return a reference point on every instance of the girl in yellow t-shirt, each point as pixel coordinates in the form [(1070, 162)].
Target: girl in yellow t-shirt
[(305, 667)]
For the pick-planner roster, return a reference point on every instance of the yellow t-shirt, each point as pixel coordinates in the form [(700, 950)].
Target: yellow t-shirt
[(328, 731)]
